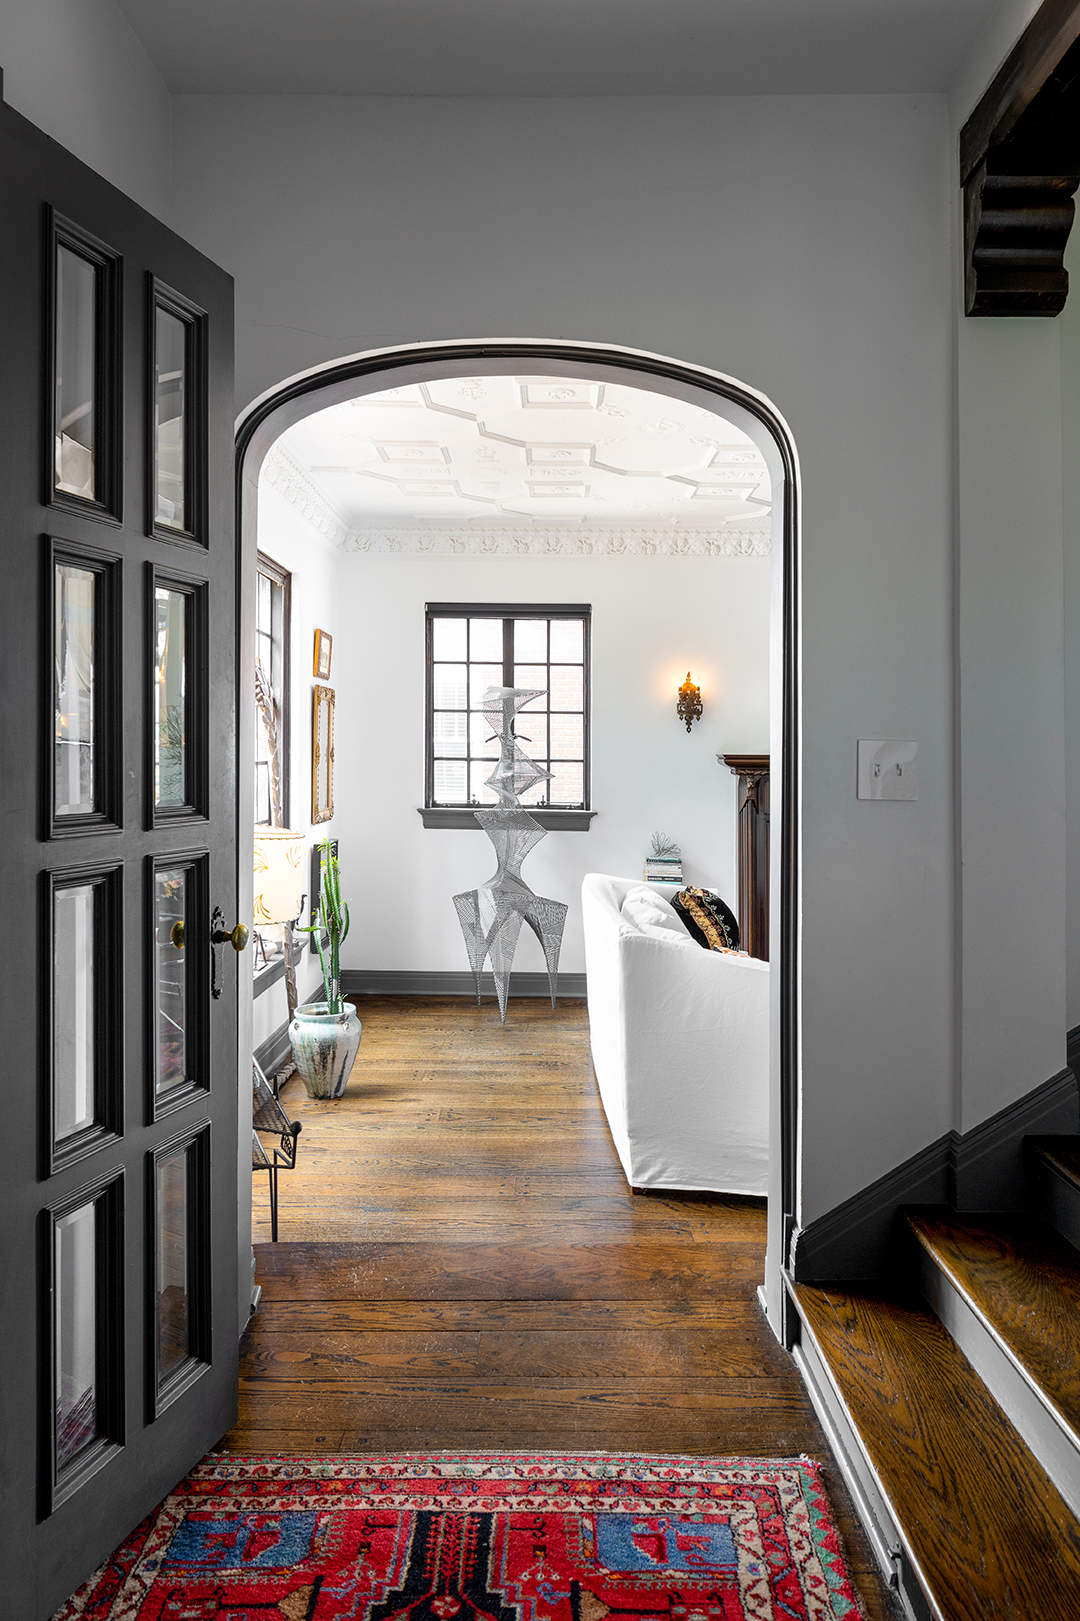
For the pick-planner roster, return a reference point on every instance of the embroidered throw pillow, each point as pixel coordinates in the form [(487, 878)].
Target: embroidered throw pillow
[(712, 923)]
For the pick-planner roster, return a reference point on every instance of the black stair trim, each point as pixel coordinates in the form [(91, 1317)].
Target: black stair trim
[(982, 1170)]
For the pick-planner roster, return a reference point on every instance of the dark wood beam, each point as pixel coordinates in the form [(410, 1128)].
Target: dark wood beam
[(1019, 167)]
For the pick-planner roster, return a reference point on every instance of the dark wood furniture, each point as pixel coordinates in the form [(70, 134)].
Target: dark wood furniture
[(752, 770), (1019, 167)]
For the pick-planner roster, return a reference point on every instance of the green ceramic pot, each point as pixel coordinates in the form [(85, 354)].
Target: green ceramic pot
[(324, 1045)]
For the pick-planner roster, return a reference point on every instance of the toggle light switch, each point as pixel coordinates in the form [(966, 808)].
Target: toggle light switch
[(888, 770)]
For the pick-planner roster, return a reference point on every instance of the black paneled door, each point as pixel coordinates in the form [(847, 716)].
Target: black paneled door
[(118, 1208)]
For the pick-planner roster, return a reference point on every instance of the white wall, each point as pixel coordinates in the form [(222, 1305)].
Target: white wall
[(652, 617), (314, 565), (799, 243), (77, 71)]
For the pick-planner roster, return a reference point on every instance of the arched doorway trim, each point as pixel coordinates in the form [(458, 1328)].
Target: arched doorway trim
[(298, 397)]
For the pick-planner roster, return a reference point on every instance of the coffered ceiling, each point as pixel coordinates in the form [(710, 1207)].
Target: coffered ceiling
[(484, 451), (556, 47)]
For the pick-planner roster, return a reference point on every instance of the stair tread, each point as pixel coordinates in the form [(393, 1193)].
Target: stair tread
[(984, 1527), (1061, 1153), (1023, 1280)]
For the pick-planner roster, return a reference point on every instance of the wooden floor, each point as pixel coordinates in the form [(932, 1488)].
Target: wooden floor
[(461, 1264)]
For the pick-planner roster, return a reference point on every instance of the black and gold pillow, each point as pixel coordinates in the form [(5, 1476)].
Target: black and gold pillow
[(712, 923)]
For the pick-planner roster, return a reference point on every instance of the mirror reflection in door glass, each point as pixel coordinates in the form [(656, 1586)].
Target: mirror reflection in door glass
[(170, 386), (170, 921), (75, 1330), (170, 704), (73, 690), (73, 1010), (171, 1263), (76, 359)]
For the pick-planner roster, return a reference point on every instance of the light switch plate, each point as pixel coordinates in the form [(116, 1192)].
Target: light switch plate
[(888, 770)]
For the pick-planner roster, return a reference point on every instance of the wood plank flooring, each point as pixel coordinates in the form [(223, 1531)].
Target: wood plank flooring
[(461, 1264)]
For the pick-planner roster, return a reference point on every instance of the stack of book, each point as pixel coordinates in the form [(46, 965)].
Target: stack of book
[(663, 870)]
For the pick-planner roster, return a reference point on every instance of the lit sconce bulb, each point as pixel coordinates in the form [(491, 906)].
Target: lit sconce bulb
[(688, 707)]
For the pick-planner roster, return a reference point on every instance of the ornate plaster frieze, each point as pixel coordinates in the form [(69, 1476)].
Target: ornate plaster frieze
[(538, 540), (295, 485)]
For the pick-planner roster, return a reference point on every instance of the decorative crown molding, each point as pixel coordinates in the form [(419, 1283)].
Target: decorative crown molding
[(295, 485), (536, 540)]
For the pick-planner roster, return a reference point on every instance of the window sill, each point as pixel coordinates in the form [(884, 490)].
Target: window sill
[(460, 816), (263, 978)]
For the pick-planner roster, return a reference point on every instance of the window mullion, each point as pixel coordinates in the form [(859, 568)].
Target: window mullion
[(508, 652)]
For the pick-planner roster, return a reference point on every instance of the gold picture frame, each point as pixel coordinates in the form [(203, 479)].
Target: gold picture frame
[(322, 754), (324, 644)]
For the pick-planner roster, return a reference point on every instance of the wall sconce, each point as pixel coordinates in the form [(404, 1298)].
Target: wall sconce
[(688, 707)]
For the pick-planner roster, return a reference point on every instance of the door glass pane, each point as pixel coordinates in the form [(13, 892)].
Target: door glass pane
[(73, 690), (170, 711), (171, 1262), (73, 1010), (76, 360), (170, 386), (170, 921), (75, 1330)]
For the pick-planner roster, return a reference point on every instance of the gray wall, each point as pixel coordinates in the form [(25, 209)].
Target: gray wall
[(798, 243), (1070, 461), (77, 71)]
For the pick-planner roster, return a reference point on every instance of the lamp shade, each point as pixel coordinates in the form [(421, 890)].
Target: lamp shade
[(279, 892)]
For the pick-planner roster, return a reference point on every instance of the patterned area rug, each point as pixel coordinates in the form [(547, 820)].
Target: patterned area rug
[(481, 1537)]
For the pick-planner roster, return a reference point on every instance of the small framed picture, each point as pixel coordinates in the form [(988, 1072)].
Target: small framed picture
[(323, 644)]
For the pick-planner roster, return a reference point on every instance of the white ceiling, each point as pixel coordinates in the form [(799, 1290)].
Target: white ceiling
[(484, 450), (556, 47)]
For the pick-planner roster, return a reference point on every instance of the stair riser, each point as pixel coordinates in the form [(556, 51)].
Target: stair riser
[(869, 1504), (1055, 1448), (1058, 1200)]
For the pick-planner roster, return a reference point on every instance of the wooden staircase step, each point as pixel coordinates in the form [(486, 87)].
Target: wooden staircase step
[(1054, 1163), (1008, 1290), (982, 1528)]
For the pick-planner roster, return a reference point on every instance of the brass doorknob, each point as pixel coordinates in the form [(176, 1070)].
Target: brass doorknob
[(237, 938)]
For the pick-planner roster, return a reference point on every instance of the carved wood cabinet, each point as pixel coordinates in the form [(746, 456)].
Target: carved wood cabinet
[(752, 772)]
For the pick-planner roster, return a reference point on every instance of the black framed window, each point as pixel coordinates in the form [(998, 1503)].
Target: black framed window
[(272, 612), (473, 646), (273, 615)]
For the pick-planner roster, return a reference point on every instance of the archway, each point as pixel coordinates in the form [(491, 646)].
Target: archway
[(375, 370)]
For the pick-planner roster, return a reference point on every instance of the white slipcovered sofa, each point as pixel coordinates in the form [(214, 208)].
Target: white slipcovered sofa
[(680, 1044)]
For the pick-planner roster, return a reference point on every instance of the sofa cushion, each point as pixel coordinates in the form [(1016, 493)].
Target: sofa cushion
[(708, 919), (653, 914)]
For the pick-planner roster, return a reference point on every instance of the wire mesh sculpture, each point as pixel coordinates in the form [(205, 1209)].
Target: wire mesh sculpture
[(491, 916)]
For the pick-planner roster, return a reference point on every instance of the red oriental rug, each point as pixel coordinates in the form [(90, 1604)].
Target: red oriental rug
[(481, 1537)]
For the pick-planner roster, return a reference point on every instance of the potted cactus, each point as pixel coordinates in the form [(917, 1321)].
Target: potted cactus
[(325, 1035)]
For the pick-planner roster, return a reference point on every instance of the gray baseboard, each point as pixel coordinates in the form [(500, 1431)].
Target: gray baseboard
[(275, 1051), (984, 1169), (446, 982)]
